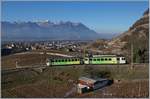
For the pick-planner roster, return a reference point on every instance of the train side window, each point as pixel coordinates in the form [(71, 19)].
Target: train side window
[(72, 59), (102, 59), (118, 58), (86, 59), (109, 59), (62, 60), (105, 59), (75, 59), (55, 60), (98, 59), (90, 59), (65, 60), (94, 59), (123, 58), (69, 60)]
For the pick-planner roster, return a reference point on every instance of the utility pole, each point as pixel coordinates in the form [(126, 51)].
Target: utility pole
[(84, 52), (131, 55), (45, 55), (51, 82), (139, 94), (16, 64)]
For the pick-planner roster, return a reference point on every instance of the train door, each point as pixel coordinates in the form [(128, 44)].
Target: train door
[(118, 60), (48, 62), (86, 60)]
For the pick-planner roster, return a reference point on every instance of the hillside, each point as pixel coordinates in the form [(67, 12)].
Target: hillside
[(137, 36), (47, 30)]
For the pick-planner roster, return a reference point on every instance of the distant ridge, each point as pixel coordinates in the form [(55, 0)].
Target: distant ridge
[(47, 30)]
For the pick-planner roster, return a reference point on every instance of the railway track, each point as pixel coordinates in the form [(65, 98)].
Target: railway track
[(48, 53), (18, 68)]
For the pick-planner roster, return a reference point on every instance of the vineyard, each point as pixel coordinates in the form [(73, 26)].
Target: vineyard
[(125, 89), (56, 81)]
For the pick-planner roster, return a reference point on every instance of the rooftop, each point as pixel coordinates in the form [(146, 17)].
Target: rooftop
[(91, 80)]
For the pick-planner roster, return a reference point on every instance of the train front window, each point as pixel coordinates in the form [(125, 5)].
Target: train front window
[(123, 58), (86, 59), (118, 58)]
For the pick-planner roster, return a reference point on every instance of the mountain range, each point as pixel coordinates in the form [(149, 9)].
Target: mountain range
[(49, 30)]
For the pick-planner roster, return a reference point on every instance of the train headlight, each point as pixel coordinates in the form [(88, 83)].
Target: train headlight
[(47, 64)]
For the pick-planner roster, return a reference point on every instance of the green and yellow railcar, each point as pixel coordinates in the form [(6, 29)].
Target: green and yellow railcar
[(103, 60), (64, 61)]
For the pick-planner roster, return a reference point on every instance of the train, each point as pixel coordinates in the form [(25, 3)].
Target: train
[(93, 60)]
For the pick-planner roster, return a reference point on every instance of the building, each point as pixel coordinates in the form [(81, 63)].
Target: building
[(86, 84)]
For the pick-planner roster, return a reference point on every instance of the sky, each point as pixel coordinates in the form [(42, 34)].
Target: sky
[(104, 17)]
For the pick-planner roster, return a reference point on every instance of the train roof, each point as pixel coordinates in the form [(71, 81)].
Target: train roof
[(64, 58), (102, 55), (88, 80), (107, 56)]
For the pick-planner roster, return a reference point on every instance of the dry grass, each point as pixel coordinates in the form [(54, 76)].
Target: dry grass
[(125, 89), (55, 81), (9, 62)]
